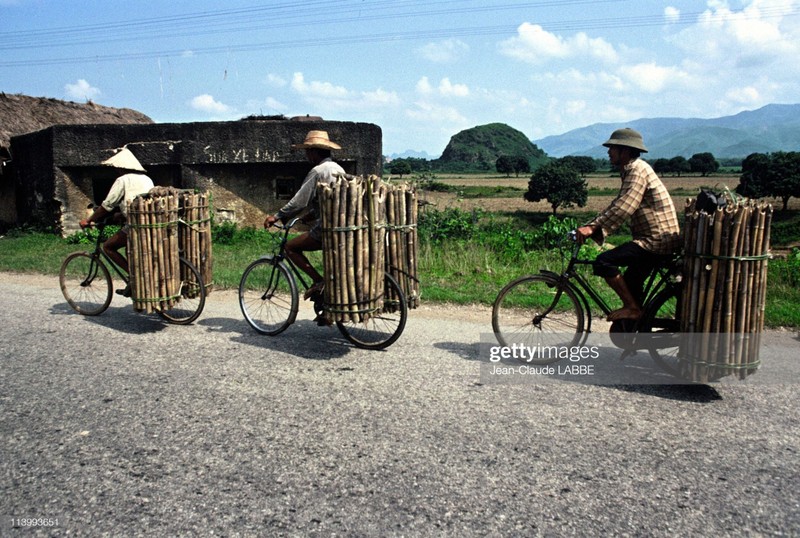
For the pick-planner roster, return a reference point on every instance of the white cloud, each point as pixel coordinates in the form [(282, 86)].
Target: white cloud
[(653, 78), (753, 36), (317, 89), (533, 44), (445, 51), (276, 81), (448, 89), (380, 97), (672, 14), (267, 106), (207, 103), (445, 88), (436, 115), (81, 90), (328, 97), (424, 86), (748, 96)]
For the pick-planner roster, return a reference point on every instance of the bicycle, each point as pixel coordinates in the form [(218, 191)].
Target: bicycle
[(269, 300), (554, 309), (86, 284)]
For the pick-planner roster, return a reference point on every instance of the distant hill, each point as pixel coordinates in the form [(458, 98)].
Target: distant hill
[(481, 146), (411, 154), (21, 114), (768, 129)]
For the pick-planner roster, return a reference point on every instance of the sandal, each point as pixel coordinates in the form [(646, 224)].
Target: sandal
[(314, 289)]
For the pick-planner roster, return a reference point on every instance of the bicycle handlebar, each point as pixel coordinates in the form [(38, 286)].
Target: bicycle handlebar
[(287, 226)]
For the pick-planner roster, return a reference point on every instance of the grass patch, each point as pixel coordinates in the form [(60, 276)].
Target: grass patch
[(467, 258)]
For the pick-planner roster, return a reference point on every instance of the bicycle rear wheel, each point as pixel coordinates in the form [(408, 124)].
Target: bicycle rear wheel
[(537, 310), (659, 331), (192, 296), (268, 296), (382, 328), (85, 283)]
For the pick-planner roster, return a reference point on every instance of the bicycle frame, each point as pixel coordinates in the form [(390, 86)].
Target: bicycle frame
[(280, 254), (99, 255), (658, 280)]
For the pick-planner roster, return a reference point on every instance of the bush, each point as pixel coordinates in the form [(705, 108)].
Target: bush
[(789, 269), (228, 233), (451, 223), (89, 235)]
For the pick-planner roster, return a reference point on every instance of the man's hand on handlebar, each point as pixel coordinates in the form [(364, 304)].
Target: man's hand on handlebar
[(583, 233), (270, 221)]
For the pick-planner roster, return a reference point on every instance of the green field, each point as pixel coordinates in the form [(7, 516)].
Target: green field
[(471, 246)]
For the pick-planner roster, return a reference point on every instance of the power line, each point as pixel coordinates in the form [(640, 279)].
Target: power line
[(564, 25)]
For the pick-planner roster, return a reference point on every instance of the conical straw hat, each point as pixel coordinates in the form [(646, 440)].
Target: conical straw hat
[(317, 139), (125, 160)]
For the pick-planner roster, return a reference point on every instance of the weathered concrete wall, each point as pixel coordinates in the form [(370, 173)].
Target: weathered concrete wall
[(248, 166)]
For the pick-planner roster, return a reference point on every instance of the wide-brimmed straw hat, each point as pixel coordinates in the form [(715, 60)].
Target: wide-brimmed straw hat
[(626, 137), (317, 139), (124, 160)]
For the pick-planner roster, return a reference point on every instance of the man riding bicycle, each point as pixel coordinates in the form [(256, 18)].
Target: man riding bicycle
[(318, 151), (644, 200), (126, 187)]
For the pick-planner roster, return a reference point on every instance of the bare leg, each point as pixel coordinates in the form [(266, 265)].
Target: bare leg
[(112, 246), (630, 307), (294, 251)]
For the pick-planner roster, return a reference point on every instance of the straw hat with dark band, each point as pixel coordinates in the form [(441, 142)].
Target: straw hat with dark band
[(317, 139), (626, 137), (124, 160)]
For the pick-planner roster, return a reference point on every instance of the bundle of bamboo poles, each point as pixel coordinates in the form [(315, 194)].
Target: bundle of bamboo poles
[(724, 288), (353, 215), (195, 234), (402, 244), (153, 251)]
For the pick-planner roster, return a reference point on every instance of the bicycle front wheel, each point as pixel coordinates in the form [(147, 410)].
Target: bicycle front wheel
[(85, 283), (535, 311), (381, 329), (192, 299), (660, 329), (268, 296)]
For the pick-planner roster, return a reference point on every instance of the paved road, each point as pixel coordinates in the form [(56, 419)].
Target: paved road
[(122, 425)]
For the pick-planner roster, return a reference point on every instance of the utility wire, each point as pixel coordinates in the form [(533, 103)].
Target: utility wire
[(336, 39)]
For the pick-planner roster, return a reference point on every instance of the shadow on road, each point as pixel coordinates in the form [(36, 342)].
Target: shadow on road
[(303, 338), (686, 393), (121, 318)]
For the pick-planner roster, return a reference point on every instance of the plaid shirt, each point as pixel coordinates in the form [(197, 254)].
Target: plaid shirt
[(645, 199)]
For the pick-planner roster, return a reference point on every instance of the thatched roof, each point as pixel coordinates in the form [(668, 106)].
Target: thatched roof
[(20, 114)]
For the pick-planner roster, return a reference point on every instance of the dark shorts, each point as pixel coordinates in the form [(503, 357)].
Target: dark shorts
[(639, 262)]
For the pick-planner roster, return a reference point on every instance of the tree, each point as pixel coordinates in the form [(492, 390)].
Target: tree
[(753, 181), (583, 165), (521, 165), (776, 174), (785, 176), (661, 166), (504, 165), (678, 165), (704, 163), (399, 167), (559, 184)]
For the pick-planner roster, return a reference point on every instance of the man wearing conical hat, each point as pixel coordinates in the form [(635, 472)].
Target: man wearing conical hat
[(318, 151), (127, 186), (644, 200)]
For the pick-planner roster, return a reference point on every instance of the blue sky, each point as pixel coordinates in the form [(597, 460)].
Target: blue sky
[(422, 71)]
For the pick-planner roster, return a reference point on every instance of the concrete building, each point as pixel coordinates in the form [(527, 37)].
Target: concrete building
[(248, 166)]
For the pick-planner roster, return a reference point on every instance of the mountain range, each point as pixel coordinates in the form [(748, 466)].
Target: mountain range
[(770, 128)]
